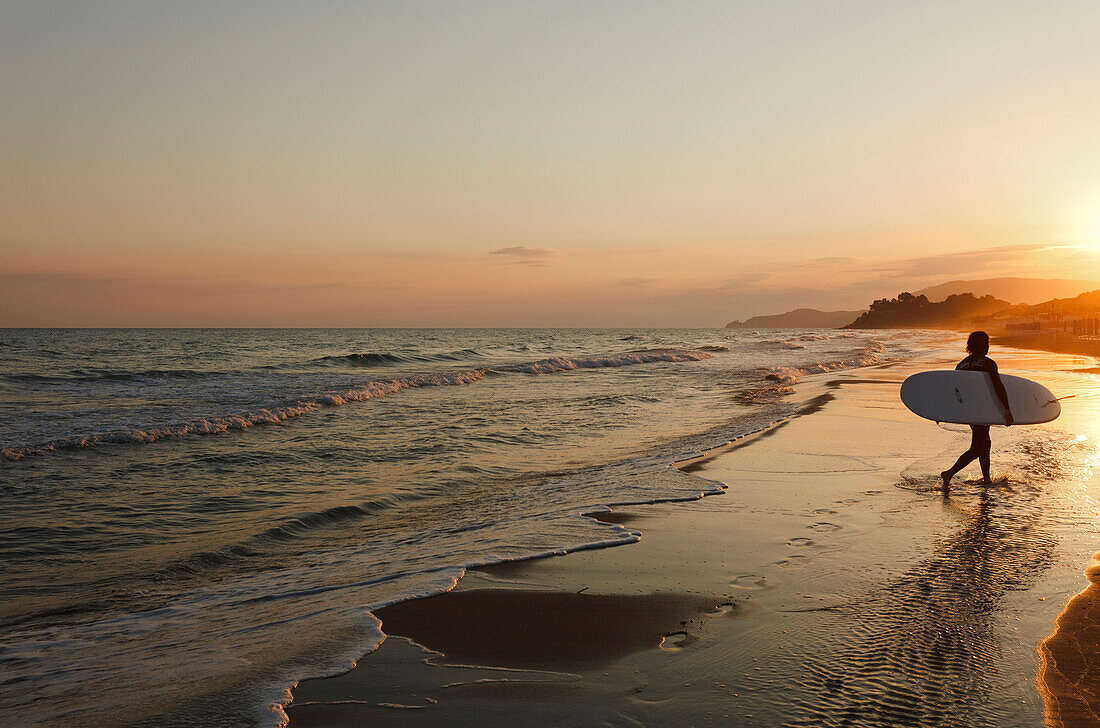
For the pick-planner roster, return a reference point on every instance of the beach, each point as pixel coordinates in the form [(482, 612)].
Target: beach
[(576, 527), (831, 583), (195, 521), (474, 364)]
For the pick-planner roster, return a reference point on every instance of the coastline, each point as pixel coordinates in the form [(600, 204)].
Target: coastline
[(824, 564), (306, 530)]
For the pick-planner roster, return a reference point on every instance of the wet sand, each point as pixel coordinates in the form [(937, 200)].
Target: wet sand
[(830, 585), (540, 630), (1069, 660)]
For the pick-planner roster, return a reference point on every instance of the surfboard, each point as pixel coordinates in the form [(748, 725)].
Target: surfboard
[(968, 398)]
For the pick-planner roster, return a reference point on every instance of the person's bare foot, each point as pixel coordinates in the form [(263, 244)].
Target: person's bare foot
[(945, 476)]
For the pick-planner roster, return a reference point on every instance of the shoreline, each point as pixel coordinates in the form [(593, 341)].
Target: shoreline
[(508, 476), (803, 545), (655, 616)]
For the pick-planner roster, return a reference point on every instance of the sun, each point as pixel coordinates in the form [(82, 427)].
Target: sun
[(1085, 226), (1090, 226)]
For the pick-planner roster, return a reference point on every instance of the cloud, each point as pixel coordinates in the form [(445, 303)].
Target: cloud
[(632, 251), (522, 255), (638, 282), (833, 259), (745, 280), (982, 263), (61, 278)]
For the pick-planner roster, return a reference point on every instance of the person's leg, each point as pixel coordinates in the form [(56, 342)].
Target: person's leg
[(966, 458), (984, 445)]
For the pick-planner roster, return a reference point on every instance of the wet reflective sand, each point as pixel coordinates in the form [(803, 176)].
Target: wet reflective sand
[(1069, 660)]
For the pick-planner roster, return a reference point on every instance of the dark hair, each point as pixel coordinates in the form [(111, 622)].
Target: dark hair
[(978, 343)]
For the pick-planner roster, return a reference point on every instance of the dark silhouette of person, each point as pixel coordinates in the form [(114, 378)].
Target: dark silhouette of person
[(977, 346)]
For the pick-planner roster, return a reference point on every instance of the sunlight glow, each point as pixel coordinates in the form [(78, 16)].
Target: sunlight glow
[(1088, 226)]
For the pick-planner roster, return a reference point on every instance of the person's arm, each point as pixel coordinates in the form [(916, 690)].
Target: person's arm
[(999, 388)]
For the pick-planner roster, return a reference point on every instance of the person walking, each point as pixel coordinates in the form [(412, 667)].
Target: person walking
[(977, 348)]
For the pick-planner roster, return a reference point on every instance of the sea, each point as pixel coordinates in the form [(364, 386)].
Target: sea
[(191, 521)]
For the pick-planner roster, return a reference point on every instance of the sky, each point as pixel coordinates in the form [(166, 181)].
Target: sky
[(535, 164)]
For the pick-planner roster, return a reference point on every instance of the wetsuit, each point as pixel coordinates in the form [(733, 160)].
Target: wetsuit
[(980, 443)]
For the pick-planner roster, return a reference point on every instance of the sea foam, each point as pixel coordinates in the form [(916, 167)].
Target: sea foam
[(373, 389)]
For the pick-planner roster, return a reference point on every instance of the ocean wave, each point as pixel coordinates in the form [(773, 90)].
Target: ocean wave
[(373, 359), (288, 530), (770, 393), (380, 359), (618, 400), (370, 360), (94, 375), (243, 420), (569, 363), (868, 355), (360, 393), (780, 380)]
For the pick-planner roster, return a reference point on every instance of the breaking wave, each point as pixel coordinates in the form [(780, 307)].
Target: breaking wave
[(359, 393), (780, 381), (871, 354), (569, 363), (782, 344), (376, 359)]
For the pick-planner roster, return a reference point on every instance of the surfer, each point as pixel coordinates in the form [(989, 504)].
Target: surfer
[(977, 346)]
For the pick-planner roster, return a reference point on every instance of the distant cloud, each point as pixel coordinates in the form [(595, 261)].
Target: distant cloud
[(60, 278), (633, 251), (833, 259), (983, 263), (744, 280), (522, 255), (638, 282)]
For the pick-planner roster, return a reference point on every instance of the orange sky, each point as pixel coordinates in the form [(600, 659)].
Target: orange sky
[(564, 164)]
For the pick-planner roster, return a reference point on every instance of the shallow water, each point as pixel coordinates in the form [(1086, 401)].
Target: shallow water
[(195, 519)]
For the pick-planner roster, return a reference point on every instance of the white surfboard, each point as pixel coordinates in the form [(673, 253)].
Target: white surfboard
[(968, 398)]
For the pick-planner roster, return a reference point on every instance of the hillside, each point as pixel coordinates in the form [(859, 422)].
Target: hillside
[(910, 311), (1085, 305), (800, 318), (1014, 290)]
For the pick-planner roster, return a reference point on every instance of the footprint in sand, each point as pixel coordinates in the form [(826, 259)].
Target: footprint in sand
[(791, 560), (801, 543), (677, 641), (824, 526), (748, 581)]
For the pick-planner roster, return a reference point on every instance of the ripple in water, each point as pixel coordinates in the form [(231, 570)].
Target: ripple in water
[(925, 645)]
